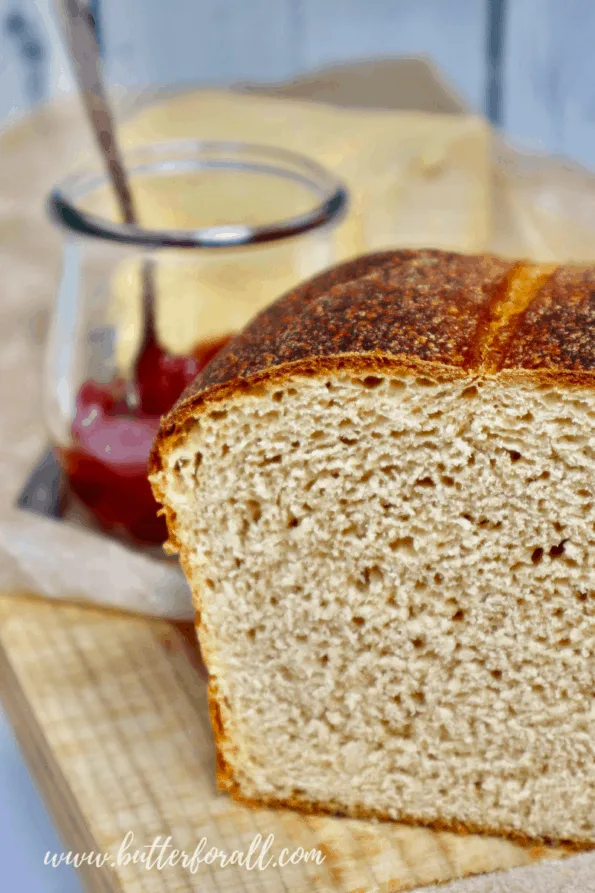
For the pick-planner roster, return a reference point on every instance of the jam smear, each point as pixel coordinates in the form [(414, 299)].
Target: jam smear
[(106, 464)]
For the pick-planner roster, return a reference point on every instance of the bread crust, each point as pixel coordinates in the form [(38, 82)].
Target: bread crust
[(226, 783), (426, 313)]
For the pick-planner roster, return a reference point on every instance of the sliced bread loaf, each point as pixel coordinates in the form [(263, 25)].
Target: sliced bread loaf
[(383, 497)]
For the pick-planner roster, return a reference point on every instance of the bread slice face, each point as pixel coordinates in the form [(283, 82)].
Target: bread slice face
[(383, 500)]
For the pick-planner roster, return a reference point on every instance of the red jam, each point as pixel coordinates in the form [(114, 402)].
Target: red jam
[(107, 462)]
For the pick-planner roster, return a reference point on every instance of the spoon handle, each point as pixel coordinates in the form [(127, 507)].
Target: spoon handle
[(80, 35), (79, 31)]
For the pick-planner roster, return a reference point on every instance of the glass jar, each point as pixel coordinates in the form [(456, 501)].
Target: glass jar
[(224, 229)]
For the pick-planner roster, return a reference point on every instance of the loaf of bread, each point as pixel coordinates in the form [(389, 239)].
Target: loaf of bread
[(383, 496)]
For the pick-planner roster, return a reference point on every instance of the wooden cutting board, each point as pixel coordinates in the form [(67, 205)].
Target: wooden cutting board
[(111, 713)]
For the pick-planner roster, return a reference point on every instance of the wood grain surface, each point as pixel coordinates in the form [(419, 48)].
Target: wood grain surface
[(111, 713)]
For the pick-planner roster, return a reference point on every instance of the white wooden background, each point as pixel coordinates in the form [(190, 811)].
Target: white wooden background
[(543, 95)]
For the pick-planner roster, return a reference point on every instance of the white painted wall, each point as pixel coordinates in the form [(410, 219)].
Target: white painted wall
[(221, 41), (33, 64), (549, 76), (549, 62)]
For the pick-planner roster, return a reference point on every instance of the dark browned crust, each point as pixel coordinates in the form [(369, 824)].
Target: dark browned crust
[(416, 306), (426, 313), (557, 332)]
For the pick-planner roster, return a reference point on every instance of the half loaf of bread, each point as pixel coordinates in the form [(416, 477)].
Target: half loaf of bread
[(383, 497)]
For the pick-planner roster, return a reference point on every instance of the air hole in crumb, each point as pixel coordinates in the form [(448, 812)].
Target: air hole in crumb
[(447, 480), (424, 482), (358, 621), (458, 615), (558, 612), (471, 459), (397, 699), (238, 562), (253, 390), (467, 517), (496, 674), (558, 550), (374, 574), (197, 461), (324, 660), (585, 493), (564, 642), (514, 455), (558, 527), (348, 441), (251, 633), (582, 596), (300, 637), (218, 414), (271, 460), (402, 544), (292, 391), (537, 555), (274, 600), (181, 463), (420, 585), (396, 384), (372, 381), (418, 642), (419, 697), (317, 435), (209, 583), (366, 477), (224, 449), (278, 396), (295, 444), (254, 510), (425, 382), (293, 522), (469, 393), (438, 578)]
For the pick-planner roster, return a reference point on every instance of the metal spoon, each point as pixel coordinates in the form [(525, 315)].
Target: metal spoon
[(79, 31)]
